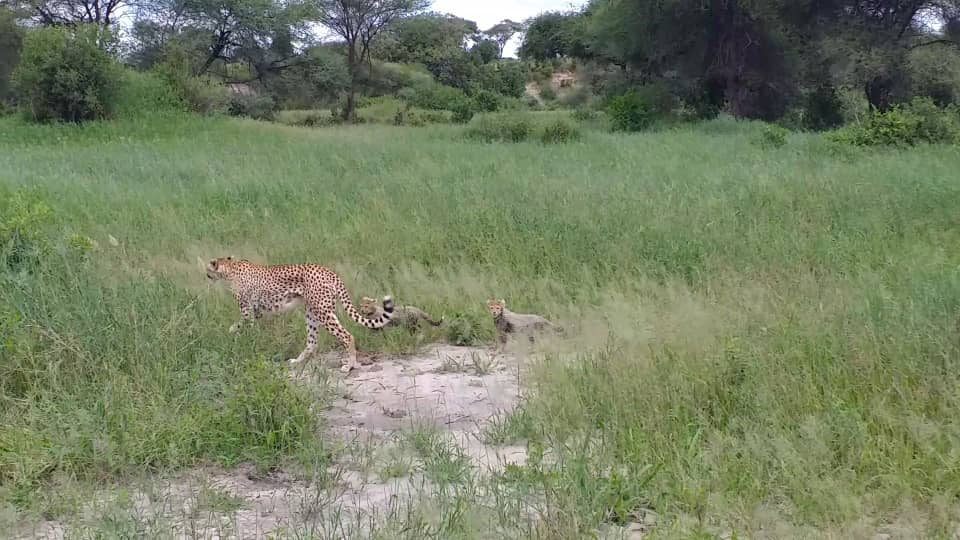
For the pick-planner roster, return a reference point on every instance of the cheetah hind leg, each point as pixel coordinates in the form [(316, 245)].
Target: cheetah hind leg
[(332, 324), (312, 325)]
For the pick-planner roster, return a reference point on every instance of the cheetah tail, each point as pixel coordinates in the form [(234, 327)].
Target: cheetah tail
[(379, 322), (433, 322)]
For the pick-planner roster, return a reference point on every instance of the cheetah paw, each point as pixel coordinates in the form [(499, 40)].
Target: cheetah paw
[(234, 328), (295, 360)]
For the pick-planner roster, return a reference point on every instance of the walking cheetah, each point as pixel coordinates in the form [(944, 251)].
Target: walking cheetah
[(508, 322), (407, 316), (261, 289)]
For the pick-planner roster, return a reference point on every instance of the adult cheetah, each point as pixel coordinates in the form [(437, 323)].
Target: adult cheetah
[(267, 289)]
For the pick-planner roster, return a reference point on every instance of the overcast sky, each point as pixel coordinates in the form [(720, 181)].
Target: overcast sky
[(487, 13)]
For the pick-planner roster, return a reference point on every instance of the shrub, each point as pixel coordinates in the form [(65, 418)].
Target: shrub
[(547, 93), (771, 136), (822, 109), (64, 75), (559, 131), (146, 92), (920, 121), (630, 112), (501, 127), (437, 97), (504, 77), (935, 124), (486, 101), (200, 94), (258, 107), (463, 112)]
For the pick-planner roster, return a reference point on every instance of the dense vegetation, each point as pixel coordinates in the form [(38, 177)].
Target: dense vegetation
[(763, 318)]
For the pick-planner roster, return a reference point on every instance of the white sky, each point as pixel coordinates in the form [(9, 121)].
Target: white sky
[(487, 13)]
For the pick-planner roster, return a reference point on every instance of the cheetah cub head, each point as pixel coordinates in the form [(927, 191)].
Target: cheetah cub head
[(496, 307), (368, 306), (221, 268)]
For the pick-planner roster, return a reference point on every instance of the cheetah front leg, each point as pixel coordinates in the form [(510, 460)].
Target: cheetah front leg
[(246, 314)]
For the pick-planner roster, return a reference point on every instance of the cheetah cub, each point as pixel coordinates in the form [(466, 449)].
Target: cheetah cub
[(406, 316), (261, 289), (508, 322)]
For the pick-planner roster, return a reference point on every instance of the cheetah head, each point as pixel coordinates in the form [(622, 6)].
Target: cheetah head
[(221, 268), (368, 306), (496, 307)]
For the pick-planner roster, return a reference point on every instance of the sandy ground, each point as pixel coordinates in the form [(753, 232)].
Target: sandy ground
[(451, 390)]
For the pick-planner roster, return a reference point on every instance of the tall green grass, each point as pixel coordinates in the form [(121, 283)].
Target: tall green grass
[(764, 339)]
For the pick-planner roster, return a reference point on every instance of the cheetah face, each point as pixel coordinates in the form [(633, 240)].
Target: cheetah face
[(368, 306), (221, 268), (496, 307)]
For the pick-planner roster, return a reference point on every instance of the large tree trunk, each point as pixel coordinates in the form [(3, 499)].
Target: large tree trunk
[(879, 93)]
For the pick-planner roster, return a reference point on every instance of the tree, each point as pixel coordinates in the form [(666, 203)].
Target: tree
[(552, 35), (102, 14), (358, 22), (502, 33), (11, 41), (64, 75), (485, 50)]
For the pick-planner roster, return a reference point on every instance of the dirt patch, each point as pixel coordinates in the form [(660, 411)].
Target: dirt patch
[(450, 392)]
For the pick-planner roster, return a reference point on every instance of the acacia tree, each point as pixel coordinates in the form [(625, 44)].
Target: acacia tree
[(503, 32), (358, 22)]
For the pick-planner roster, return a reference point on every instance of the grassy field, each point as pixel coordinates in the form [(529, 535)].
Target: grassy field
[(766, 339)]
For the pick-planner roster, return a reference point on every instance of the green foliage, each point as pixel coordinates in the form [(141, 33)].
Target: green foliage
[(630, 112), (822, 109), (506, 78), (437, 97), (463, 111), (559, 131), (920, 121), (64, 75), (551, 35), (771, 136), (500, 128), (24, 217), (486, 101), (464, 329), (201, 94), (146, 92), (258, 107), (11, 42), (547, 93)]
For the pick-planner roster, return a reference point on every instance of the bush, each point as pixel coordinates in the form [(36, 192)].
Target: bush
[(463, 112), (257, 107), (146, 92), (547, 93), (630, 112), (506, 78), (771, 136), (64, 75), (822, 109), (437, 97), (502, 128), (200, 94), (559, 131), (486, 101), (935, 124), (920, 121)]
